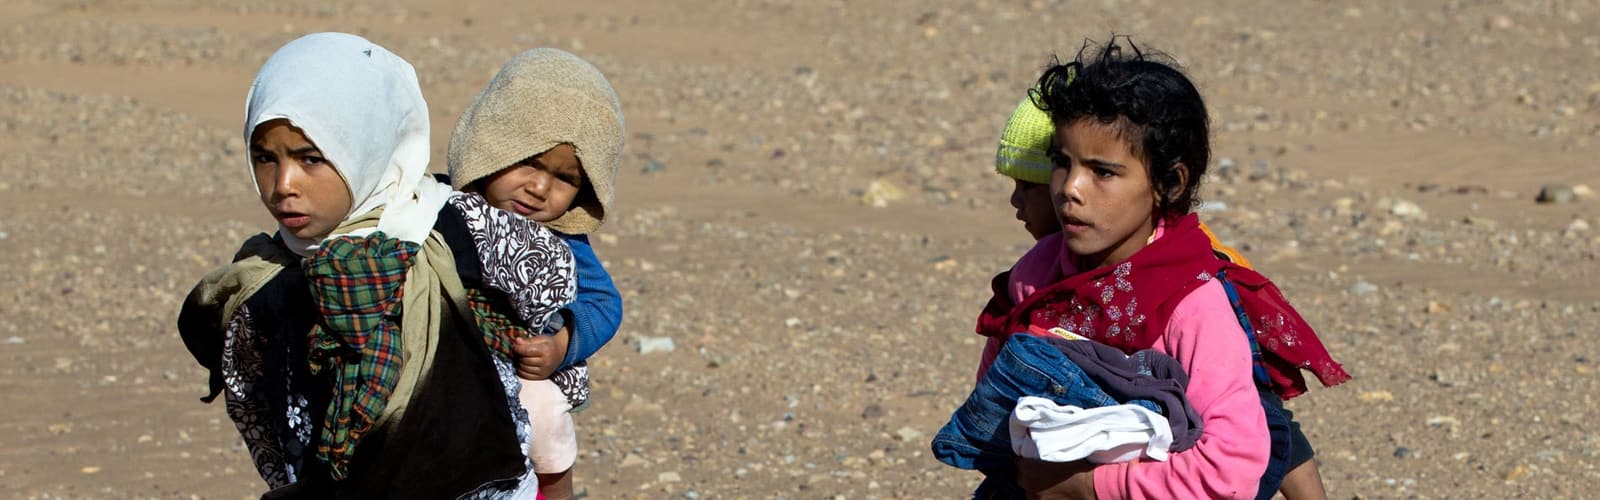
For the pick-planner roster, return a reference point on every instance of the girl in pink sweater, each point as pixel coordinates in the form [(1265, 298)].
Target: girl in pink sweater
[(1130, 146)]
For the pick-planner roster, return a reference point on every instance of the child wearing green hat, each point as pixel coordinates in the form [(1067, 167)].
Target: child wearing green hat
[(1022, 157)]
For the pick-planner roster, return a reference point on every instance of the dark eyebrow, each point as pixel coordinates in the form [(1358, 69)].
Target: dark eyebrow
[(1101, 163), (304, 150)]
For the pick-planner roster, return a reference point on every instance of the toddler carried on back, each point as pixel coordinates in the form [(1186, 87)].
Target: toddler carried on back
[(543, 141)]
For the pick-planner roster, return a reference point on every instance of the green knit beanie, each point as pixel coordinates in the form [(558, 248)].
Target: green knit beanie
[(1025, 143)]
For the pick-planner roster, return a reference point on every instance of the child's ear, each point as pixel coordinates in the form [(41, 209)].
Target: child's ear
[(1176, 190)]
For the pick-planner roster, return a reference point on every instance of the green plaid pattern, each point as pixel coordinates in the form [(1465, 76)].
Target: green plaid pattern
[(497, 329), (357, 286)]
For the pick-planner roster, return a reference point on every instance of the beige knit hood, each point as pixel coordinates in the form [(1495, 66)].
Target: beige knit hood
[(542, 98)]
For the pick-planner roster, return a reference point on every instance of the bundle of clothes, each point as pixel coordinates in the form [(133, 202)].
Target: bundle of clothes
[(1063, 398)]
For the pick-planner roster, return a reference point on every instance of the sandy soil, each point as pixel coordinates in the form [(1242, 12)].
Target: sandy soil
[(1380, 159)]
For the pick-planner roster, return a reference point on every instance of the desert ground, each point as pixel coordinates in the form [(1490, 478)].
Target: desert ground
[(809, 211)]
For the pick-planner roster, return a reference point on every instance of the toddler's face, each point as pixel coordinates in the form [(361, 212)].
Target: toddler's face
[(297, 184), (1034, 208), (540, 188)]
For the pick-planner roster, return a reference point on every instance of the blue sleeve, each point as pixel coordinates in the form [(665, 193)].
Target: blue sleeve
[(596, 312)]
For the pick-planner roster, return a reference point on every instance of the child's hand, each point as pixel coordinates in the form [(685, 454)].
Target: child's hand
[(538, 357), (1041, 480)]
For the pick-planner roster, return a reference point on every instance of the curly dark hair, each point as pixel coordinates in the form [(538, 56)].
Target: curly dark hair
[(1146, 99)]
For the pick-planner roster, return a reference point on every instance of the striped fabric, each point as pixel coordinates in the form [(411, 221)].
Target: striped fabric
[(1259, 367), (357, 284)]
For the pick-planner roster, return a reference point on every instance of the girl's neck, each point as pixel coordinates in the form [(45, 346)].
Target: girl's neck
[(1092, 262), (1117, 254)]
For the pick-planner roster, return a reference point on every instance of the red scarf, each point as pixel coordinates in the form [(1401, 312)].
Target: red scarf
[(1127, 306)]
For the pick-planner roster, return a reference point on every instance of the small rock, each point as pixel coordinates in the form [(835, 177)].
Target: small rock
[(668, 477), (1473, 220), (1404, 452), (15, 340), (649, 345), (90, 470), (1499, 22), (1363, 288), (1391, 228), (1583, 192), (1376, 397), (633, 460), (1437, 307), (881, 193), (1212, 207), (873, 411), (1344, 206), (720, 360), (908, 434), (1518, 472), (653, 166), (1407, 210), (1578, 226), (791, 322), (1556, 193), (4, 235)]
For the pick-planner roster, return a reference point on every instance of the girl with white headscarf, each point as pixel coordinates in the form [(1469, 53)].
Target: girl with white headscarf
[(364, 346)]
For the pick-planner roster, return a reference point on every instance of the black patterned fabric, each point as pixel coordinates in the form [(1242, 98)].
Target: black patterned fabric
[(257, 360)]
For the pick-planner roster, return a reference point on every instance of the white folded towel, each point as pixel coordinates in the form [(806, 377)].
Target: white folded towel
[(1043, 430)]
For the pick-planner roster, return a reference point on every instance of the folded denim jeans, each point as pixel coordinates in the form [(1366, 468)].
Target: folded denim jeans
[(978, 436)]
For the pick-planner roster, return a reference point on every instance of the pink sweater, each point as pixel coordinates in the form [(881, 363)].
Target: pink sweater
[(1204, 336), (1042, 266)]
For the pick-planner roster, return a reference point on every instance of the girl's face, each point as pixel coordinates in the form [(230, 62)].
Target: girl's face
[(540, 188), (1035, 208), (298, 185), (1102, 194)]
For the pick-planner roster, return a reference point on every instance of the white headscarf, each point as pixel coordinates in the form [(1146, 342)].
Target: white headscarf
[(362, 107)]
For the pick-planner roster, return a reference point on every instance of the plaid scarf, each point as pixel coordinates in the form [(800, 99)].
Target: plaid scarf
[(497, 329), (357, 284)]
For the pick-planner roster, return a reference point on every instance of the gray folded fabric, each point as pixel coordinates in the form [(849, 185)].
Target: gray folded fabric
[(1146, 374)]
